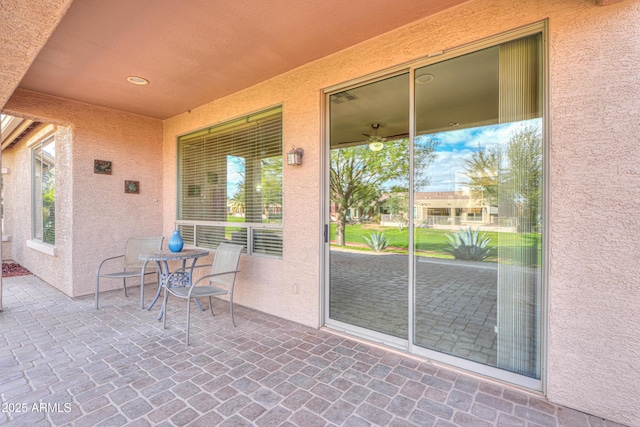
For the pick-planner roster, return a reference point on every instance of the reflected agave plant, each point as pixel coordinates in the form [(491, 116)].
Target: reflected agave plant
[(469, 245), (377, 241)]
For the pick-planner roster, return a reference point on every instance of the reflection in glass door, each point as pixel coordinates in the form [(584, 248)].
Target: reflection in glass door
[(447, 264), (369, 200), (481, 207)]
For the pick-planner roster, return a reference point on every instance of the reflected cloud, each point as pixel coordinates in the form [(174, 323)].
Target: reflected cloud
[(447, 172)]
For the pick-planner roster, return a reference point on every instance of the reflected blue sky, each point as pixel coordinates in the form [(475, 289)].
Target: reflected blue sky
[(446, 172)]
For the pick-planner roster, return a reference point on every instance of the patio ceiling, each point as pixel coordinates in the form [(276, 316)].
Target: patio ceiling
[(198, 51)]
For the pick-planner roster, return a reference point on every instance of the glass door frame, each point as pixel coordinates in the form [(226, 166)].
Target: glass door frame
[(325, 220), (407, 345)]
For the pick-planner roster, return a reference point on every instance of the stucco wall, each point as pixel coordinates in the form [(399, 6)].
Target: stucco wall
[(56, 270), (7, 245), (594, 332), (594, 360), (7, 251), (287, 287), (94, 216)]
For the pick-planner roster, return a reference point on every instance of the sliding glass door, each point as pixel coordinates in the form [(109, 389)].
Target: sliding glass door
[(369, 171), (480, 300), (435, 231)]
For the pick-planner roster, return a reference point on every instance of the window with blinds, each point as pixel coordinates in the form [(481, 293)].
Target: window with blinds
[(230, 184)]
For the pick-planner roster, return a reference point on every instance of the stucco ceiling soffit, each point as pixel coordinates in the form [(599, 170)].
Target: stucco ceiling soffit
[(26, 25), (198, 53), (607, 2)]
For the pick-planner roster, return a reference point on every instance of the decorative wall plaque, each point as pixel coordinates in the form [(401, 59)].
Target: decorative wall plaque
[(102, 167), (132, 187)]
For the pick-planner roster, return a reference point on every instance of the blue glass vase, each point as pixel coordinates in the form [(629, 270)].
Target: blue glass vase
[(175, 242)]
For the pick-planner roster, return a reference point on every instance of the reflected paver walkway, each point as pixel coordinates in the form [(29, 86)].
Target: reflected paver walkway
[(63, 363), (455, 301)]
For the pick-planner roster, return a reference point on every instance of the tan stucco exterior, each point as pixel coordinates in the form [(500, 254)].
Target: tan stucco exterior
[(93, 214), (594, 334), (593, 362)]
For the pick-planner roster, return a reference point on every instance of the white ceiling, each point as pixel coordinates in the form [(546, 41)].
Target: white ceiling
[(196, 51)]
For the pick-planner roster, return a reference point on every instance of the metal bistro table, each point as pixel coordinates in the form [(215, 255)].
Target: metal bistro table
[(179, 278)]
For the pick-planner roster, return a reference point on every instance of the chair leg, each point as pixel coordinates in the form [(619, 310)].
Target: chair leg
[(97, 290), (159, 287), (155, 299), (188, 318), (211, 306), (233, 320), (142, 292), (124, 284), (164, 306)]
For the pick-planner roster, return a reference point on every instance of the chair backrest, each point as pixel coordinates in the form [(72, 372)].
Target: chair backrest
[(138, 245), (227, 259)]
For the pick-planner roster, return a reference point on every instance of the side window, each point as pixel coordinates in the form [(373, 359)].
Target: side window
[(44, 191)]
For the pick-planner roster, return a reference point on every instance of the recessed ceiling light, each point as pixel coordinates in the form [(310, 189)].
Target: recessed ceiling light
[(137, 80), (424, 79)]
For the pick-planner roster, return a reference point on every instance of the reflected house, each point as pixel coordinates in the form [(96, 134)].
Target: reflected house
[(448, 209), (271, 210)]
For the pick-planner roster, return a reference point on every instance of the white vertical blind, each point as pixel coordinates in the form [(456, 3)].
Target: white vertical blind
[(497, 320), (519, 200)]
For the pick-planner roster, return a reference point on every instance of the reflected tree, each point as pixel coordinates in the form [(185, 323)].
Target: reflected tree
[(510, 176), (358, 175), (269, 189), (482, 170), (397, 204), (521, 185), (271, 186), (49, 205)]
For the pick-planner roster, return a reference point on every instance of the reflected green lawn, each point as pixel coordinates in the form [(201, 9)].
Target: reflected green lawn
[(239, 219), (514, 247)]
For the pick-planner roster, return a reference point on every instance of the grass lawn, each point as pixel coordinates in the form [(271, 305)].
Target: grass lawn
[(433, 243)]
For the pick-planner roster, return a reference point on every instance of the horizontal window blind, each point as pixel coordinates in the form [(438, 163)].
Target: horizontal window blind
[(267, 242), (232, 173)]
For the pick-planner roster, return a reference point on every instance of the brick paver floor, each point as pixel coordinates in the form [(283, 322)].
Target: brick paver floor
[(64, 363)]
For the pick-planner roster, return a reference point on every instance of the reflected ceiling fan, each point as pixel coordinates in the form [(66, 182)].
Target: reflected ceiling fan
[(376, 143)]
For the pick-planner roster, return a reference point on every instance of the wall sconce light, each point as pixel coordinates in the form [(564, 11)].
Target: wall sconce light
[(294, 157)]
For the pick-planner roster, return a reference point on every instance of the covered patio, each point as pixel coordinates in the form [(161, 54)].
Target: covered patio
[(150, 116), (116, 366)]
